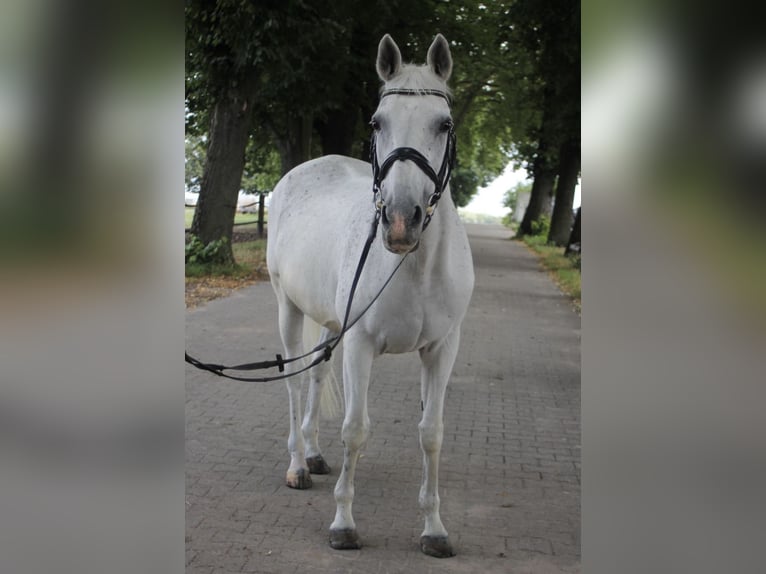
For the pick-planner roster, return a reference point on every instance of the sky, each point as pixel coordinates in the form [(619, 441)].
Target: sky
[(489, 199)]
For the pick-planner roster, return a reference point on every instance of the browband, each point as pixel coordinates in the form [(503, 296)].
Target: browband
[(415, 92)]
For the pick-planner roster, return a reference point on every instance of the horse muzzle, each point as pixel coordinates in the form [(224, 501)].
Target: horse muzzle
[(401, 228)]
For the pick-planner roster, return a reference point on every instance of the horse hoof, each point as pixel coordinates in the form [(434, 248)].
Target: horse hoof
[(345, 539), (317, 465), (437, 546), (300, 479)]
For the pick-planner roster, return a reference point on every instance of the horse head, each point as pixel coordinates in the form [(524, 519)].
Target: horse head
[(413, 141)]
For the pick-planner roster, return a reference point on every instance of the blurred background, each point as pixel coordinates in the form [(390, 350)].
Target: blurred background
[(674, 151), (91, 328), (92, 115)]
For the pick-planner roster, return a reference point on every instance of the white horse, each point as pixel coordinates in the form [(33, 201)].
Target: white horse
[(319, 217)]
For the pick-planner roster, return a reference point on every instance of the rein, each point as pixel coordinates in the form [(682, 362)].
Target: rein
[(379, 172)]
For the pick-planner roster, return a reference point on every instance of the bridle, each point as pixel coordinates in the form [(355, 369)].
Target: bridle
[(440, 180)]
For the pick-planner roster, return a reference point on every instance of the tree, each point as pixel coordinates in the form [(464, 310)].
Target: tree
[(295, 78), (543, 170), (549, 34), (240, 54), (482, 107), (511, 197), (262, 166), (341, 123), (229, 126), (574, 238), (320, 97), (569, 150), (222, 65), (568, 169)]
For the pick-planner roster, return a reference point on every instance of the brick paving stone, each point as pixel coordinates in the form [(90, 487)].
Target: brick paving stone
[(510, 471)]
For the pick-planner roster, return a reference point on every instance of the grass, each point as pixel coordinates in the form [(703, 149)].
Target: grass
[(250, 258), (564, 269), (205, 282), (251, 254)]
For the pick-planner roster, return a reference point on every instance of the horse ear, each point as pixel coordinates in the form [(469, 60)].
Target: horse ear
[(389, 61), (439, 58)]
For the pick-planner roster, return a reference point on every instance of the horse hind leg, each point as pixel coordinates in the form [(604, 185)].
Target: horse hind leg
[(291, 331), (322, 397), (314, 459)]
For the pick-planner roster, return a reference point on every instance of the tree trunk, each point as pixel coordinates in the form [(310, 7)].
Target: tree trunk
[(569, 168), (295, 145), (222, 176), (574, 237), (336, 131), (543, 168), (547, 200), (540, 196)]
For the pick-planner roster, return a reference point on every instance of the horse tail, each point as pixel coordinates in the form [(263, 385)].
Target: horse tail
[(330, 404), (330, 398)]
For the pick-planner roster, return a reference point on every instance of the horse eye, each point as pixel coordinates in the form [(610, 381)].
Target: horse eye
[(447, 125), (375, 124)]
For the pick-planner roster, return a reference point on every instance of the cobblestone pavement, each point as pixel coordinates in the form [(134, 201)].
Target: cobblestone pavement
[(510, 467)]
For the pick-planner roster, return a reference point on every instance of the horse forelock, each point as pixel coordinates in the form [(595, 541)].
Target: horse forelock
[(414, 77)]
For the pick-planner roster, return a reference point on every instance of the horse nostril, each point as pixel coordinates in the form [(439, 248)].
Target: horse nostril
[(418, 214), (383, 216)]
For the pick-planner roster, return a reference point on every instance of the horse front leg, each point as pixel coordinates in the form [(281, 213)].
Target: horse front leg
[(438, 359), (357, 364)]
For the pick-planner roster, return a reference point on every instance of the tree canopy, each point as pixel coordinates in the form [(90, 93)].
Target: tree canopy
[(300, 74)]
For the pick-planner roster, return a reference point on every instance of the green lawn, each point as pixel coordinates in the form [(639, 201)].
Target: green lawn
[(250, 257)]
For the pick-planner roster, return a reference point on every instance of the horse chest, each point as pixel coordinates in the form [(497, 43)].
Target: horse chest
[(408, 321)]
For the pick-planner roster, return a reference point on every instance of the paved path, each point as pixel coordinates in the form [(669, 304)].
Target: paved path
[(510, 472)]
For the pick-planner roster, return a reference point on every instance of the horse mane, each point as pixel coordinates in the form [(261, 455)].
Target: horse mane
[(416, 77)]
